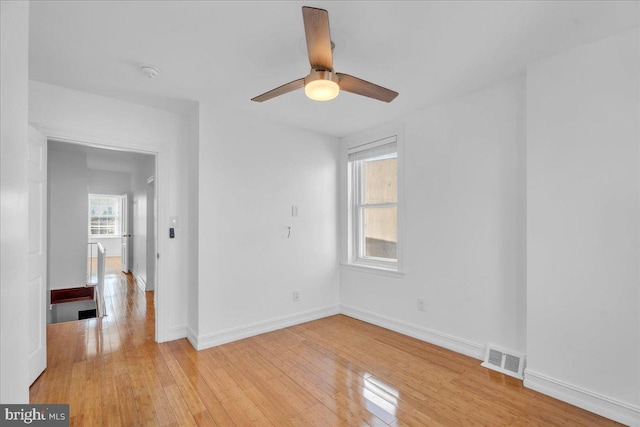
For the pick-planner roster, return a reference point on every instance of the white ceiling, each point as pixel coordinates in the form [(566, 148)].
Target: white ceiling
[(225, 53), (107, 160)]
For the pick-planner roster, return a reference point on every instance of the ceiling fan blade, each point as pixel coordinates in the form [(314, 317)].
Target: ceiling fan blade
[(316, 28), (362, 87), (289, 87)]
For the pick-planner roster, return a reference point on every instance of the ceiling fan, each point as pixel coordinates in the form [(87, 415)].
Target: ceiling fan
[(322, 83)]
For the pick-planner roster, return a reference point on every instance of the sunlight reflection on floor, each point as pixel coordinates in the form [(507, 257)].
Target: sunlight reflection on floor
[(381, 398)]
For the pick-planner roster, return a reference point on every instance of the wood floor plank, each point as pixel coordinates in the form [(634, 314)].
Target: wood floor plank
[(204, 419), (336, 371), (93, 405), (271, 411), (126, 403), (184, 385), (179, 406)]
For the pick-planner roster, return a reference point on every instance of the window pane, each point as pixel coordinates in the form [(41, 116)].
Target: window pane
[(104, 215), (381, 180), (381, 232)]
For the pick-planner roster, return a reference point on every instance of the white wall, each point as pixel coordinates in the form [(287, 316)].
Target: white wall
[(139, 229), (251, 173), (68, 221), (142, 208), (112, 246), (108, 182), (150, 278), (583, 199), (464, 213), (66, 114), (14, 72)]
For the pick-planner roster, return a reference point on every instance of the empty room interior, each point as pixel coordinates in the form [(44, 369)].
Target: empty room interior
[(420, 213)]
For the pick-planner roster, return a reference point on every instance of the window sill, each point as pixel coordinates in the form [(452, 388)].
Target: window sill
[(374, 270)]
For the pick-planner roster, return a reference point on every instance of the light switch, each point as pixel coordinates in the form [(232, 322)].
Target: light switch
[(173, 222), (294, 210)]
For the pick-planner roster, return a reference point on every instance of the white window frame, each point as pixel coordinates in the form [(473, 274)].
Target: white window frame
[(356, 208), (117, 217)]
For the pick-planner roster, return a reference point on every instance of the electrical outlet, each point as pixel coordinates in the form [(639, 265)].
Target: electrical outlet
[(296, 296), (420, 304)]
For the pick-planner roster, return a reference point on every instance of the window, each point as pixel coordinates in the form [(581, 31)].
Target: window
[(104, 215), (373, 196)]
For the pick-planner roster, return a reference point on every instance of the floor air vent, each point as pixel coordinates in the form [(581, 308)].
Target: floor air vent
[(505, 361)]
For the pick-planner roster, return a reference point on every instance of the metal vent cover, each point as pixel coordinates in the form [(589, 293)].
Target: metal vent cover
[(495, 357), (506, 361), (511, 363)]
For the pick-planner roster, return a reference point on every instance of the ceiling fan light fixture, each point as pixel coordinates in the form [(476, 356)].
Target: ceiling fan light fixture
[(321, 85)]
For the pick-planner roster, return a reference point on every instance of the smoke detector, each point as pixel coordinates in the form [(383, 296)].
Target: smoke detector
[(150, 71)]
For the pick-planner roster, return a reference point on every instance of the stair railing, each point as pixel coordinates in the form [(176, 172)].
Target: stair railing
[(99, 294)]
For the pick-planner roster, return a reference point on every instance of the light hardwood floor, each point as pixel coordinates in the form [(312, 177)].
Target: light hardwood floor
[(330, 372)]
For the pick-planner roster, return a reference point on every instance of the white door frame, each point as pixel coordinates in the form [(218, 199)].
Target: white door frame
[(125, 233), (63, 136)]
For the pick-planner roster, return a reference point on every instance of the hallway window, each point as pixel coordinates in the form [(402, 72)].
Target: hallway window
[(104, 215), (373, 188)]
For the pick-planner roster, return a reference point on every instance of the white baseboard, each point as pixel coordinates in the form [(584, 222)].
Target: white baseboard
[(433, 337), (175, 333), (142, 285), (217, 338), (582, 398), (192, 336)]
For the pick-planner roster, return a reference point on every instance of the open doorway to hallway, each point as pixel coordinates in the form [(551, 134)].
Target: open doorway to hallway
[(98, 197)]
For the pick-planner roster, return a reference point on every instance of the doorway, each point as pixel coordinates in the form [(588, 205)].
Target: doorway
[(98, 195), (109, 227)]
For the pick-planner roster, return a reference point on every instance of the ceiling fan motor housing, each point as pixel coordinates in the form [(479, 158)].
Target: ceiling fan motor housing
[(322, 85), (321, 75)]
